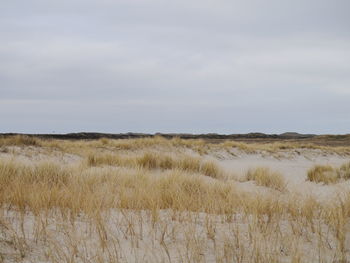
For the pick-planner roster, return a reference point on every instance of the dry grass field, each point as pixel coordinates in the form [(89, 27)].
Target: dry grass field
[(173, 200)]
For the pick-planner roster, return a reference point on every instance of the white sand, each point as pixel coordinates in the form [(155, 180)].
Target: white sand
[(293, 166)]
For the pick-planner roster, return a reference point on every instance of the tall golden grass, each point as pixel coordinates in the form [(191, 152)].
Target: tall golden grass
[(322, 173), (152, 160), (49, 185), (19, 140), (265, 177), (344, 171), (119, 202), (328, 174), (198, 145)]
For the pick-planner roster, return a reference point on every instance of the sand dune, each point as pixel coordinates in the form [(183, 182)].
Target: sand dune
[(159, 200)]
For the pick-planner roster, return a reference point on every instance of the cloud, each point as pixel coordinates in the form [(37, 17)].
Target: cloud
[(152, 65)]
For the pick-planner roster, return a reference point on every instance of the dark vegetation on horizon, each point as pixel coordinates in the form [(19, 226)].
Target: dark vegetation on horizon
[(330, 140)]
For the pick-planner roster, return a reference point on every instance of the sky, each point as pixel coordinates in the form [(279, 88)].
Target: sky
[(193, 66)]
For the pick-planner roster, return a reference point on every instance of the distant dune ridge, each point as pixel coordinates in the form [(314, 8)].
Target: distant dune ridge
[(130, 135), (326, 140)]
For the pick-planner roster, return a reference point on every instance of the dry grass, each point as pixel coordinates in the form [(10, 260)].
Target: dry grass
[(198, 145), (47, 185), (322, 173), (151, 160), (19, 140), (328, 174), (344, 171), (46, 173), (127, 201), (276, 147), (265, 177)]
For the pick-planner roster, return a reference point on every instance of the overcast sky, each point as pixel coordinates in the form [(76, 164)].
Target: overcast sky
[(194, 66)]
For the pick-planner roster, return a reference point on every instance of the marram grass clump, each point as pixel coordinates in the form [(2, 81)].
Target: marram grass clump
[(322, 173), (328, 174), (265, 177), (152, 161), (344, 171), (19, 140)]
